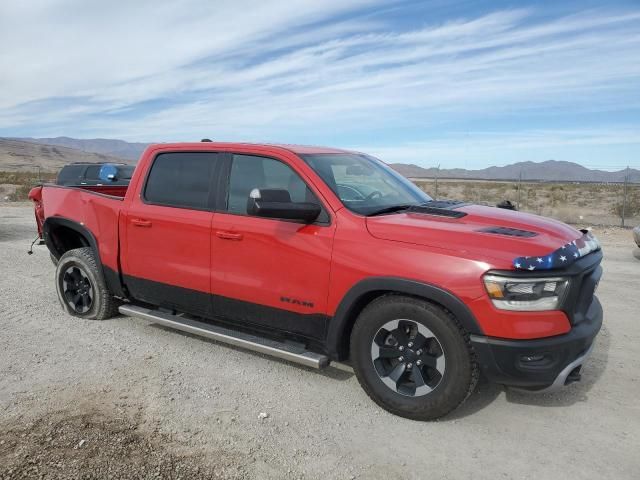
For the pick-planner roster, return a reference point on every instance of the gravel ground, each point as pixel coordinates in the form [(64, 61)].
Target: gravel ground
[(124, 398)]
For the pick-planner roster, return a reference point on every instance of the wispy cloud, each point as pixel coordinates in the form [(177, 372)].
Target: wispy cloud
[(327, 72)]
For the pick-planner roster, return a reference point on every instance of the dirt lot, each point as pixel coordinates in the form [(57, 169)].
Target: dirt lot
[(127, 399)]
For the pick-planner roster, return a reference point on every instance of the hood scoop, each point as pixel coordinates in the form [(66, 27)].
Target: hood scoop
[(441, 208), (509, 232)]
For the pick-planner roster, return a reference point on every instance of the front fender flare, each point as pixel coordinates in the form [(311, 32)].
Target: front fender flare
[(337, 334)]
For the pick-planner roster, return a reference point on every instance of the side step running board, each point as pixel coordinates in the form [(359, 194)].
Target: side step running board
[(292, 352)]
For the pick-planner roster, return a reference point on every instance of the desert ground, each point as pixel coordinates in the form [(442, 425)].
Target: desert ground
[(572, 202), (126, 399)]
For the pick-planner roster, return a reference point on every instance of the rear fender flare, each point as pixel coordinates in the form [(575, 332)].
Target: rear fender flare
[(112, 278)]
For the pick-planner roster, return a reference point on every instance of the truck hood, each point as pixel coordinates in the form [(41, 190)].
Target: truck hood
[(485, 232)]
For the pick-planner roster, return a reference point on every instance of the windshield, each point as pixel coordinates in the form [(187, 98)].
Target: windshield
[(364, 184)]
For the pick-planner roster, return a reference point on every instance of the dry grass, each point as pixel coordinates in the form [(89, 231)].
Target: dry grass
[(15, 186), (577, 203)]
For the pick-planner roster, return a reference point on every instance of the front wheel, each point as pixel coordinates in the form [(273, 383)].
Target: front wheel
[(81, 288), (412, 358)]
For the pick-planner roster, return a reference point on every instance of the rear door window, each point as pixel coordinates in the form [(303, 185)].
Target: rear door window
[(181, 179)]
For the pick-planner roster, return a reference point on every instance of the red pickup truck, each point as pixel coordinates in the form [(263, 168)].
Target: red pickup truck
[(317, 255)]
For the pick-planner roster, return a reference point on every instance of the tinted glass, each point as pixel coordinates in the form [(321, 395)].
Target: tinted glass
[(181, 180), (70, 174), (92, 172), (125, 172), (249, 172), (364, 184)]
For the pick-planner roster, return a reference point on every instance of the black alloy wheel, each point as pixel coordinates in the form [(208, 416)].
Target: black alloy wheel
[(412, 357), (77, 289), (81, 286), (408, 357)]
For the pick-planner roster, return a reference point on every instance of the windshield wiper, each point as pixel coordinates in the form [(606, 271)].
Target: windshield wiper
[(444, 208), (391, 209)]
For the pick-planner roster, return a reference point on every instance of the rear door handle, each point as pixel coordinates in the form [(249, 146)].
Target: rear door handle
[(139, 222), (228, 235)]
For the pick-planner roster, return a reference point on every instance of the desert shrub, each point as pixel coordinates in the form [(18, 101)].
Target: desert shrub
[(558, 196), (632, 207), (20, 194), (23, 182), (468, 192)]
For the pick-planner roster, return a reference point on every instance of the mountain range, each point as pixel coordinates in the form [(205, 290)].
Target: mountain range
[(52, 153), (104, 146), (16, 156), (550, 170)]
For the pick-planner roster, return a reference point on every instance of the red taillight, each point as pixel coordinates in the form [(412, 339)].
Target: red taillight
[(35, 194)]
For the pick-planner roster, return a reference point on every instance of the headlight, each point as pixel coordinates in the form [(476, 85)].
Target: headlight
[(526, 294)]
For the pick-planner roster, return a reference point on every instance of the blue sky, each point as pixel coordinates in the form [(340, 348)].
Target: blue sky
[(461, 84)]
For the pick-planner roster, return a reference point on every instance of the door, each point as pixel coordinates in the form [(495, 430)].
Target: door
[(167, 251), (268, 272)]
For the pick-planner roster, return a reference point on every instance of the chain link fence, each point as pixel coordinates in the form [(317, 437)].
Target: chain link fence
[(579, 203)]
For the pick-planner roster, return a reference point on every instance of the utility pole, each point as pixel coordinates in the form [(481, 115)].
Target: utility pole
[(624, 200), (437, 174), (519, 182)]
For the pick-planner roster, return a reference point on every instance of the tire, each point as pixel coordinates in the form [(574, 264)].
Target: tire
[(386, 360), (81, 288), (54, 260)]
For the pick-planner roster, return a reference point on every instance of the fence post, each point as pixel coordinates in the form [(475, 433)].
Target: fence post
[(435, 197), (624, 200)]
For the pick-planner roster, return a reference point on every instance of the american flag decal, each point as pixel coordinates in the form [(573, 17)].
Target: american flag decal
[(562, 257)]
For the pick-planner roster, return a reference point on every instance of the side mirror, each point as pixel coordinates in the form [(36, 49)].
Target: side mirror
[(507, 205), (276, 203), (108, 173)]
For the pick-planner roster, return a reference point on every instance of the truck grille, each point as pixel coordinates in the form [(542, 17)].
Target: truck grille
[(581, 296)]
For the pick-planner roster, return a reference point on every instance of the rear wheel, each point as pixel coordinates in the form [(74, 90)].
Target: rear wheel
[(412, 358), (81, 288)]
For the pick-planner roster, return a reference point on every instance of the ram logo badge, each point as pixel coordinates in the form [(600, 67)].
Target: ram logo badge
[(295, 301)]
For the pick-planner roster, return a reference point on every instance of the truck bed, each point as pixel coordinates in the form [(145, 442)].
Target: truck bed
[(111, 190), (95, 206)]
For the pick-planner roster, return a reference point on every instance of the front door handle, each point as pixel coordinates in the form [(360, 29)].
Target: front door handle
[(228, 235), (139, 222)]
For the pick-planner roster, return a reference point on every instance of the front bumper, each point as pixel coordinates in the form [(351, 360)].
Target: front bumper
[(542, 364)]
